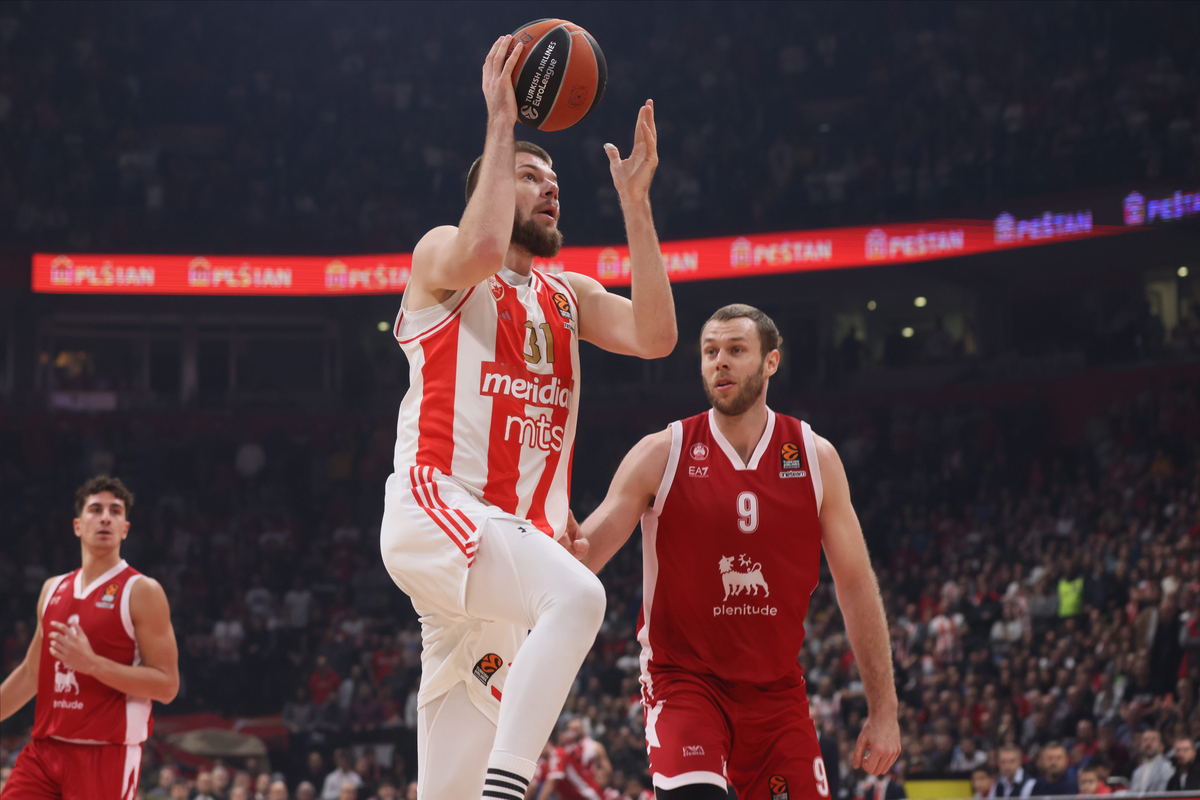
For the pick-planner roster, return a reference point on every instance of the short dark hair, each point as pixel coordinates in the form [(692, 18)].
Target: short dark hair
[(985, 769), (521, 147), (768, 335), (103, 483)]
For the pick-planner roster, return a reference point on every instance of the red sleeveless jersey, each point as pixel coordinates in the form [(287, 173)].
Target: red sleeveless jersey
[(731, 554), (77, 707)]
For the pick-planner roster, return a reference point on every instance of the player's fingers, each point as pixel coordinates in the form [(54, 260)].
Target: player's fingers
[(859, 747), (511, 62), (614, 155), (873, 761)]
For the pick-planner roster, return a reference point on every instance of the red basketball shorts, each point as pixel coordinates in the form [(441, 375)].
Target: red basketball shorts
[(48, 769), (758, 738)]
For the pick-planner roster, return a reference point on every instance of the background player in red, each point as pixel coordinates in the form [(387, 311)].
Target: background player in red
[(560, 775), (103, 650), (735, 506)]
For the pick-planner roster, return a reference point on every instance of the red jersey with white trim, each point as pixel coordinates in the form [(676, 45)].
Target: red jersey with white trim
[(731, 554), (574, 782), (494, 393), (75, 706)]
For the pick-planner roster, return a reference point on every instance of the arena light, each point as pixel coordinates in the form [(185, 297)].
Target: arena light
[(1182, 272), (920, 302), (871, 306), (384, 326), (907, 333)]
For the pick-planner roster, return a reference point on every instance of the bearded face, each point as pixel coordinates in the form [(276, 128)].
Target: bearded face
[(749, 391), (538, 240)]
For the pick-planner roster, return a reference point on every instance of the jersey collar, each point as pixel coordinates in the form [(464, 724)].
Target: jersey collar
[(734, 459), (81, 592), (514, 278)]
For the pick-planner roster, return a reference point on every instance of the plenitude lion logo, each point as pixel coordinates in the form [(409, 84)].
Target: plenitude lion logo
[(779, 787), (487, 666)]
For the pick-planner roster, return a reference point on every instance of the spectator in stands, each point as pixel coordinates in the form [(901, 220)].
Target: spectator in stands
[(983, 779), (323, 682), (1090, 783), (277, 791), (1012, 780), (967, 755), (385, 791), (204, 786), (343, 775), (166, 780), (1156, 769), (1054, 779), (306, 791), (1187, 772)]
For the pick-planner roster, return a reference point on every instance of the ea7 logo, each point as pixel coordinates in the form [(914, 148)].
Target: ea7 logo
[(697, 472), (693, 750)]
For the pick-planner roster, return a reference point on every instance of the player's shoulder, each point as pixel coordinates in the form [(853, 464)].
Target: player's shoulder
[(146, 587), (434, 238)]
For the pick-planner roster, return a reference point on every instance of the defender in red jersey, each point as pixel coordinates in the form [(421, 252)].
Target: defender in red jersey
[(483, 449), (735, 506), (103, 650)]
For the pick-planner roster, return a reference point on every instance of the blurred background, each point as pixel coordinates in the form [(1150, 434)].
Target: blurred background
[(1021, 427)]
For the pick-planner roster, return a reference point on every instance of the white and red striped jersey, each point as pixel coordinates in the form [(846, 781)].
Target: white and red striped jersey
[(77, 707), (493, 395)]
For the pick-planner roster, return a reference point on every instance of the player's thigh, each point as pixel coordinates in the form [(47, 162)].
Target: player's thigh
[(688, 736), (34, 775), (102, 772), (776, 754), (454, 739)]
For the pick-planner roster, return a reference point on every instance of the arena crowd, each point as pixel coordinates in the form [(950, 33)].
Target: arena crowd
[(337, 129)]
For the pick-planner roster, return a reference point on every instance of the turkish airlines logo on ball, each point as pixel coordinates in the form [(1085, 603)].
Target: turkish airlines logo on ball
[(529, 112)]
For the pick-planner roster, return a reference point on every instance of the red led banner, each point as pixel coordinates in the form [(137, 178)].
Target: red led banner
[(695, 259)]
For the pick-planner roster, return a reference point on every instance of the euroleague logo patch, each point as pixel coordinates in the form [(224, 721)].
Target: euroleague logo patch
[(487, 666), (110, 595), (564, 307), (791, 463), (778, 786)]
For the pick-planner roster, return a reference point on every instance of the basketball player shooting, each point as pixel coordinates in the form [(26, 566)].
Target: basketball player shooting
[(484, 440), (109, 651), (735, 506)]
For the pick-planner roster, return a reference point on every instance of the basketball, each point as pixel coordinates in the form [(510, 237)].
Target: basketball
[(561, 74)]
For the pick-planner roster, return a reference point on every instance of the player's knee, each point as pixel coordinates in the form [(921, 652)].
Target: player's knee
[(584, 602), (693, 791), (588, 602)]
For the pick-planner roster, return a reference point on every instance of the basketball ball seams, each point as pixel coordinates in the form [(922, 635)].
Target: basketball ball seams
[(601, 73)]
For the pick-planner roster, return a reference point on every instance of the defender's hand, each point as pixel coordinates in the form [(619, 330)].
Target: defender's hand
[(70, 645), (878, 745), (633, 175), (497, 81), (575, 544)]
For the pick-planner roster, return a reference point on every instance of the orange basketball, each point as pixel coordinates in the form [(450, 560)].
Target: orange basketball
[(561, 74)]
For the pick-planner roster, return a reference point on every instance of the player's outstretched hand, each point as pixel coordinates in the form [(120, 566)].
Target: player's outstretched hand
[(576, 545), (70, 645), (878, 745), (632, 176), (497, 81)]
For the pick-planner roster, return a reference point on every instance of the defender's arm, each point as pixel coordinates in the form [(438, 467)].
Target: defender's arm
[(21, 686), (645, 324), (862, 609), (630, 494), (157, 677), (448, 258)]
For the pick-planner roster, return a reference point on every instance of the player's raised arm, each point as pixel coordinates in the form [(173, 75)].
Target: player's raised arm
[(447, 258), (862, 609), (157, 677), (645, 324), (630, 494), (21, 686)]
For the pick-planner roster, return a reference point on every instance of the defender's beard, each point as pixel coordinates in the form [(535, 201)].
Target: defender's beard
[(540, 242), (746, 395)]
